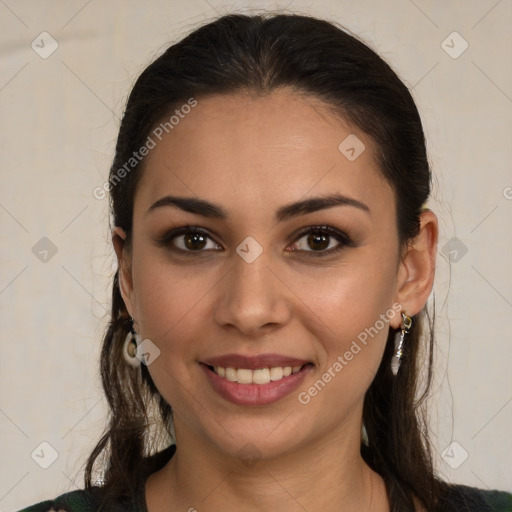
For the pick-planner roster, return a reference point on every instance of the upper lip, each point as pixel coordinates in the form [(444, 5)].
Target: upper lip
[(254, 362)]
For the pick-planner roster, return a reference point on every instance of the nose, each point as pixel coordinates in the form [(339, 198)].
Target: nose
[(252, 299)]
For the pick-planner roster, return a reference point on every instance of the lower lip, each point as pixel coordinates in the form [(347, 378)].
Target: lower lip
[(255, 394)]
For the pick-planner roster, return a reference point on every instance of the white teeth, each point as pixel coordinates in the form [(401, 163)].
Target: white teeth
[(276, 373), (244, 376), (259, 376), (231, 374)]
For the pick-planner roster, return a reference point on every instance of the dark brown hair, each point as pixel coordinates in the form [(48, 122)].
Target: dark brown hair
[(259, 54)]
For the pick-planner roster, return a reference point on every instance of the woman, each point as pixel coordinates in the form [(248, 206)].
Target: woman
[(275, 258)]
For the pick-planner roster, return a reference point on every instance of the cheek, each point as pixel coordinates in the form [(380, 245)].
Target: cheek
[(170, 303), (349, 298), (349, 310), (353, 332), (167, 297)]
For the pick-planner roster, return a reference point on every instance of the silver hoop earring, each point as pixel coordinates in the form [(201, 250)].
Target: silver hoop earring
[(131, 342), (405, 326)]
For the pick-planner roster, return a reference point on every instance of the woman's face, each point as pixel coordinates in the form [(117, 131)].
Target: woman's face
[(279, 275)]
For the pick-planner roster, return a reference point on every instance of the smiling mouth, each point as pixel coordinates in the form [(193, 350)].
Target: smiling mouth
[(258, 376)]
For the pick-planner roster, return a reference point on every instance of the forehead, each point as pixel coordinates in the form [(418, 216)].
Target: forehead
[(260, 152)]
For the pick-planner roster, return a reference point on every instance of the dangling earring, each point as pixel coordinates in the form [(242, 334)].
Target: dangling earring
[(131, 342), (399, 342), (364, 436)]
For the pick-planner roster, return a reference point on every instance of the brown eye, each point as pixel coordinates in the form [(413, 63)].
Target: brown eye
[(318, 241), (322, 241), (194, 241), (188, 240)]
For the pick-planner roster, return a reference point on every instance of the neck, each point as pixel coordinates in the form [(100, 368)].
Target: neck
[(329, 475)]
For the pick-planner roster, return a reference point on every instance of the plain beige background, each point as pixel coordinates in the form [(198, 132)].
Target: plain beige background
[(58, 124)]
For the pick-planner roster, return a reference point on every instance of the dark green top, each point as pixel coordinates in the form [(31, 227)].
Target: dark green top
[(460, 499)]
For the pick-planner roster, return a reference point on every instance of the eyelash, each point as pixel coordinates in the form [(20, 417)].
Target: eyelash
[(343, 239)]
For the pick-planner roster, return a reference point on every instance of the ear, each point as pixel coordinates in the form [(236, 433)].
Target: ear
[(124, 265), (417, 268)]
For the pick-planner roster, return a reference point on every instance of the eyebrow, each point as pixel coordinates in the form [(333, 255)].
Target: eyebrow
[(215, 211)]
